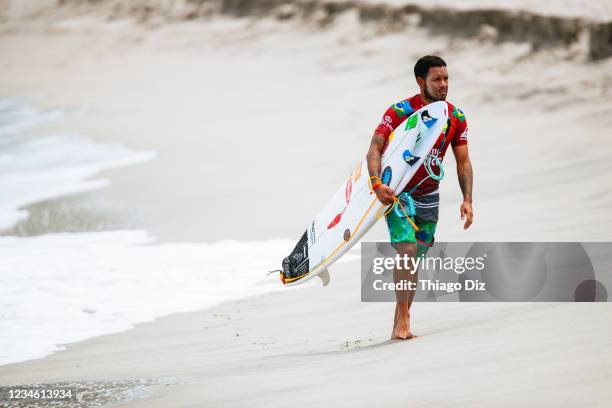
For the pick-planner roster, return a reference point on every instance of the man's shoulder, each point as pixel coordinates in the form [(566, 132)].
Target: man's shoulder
[(459, 132), (405, 107), (456, 113)]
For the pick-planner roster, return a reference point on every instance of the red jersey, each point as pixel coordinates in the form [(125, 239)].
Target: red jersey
[(456, 136)]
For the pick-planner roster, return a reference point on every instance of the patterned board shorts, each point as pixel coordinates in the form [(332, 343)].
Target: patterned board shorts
[(426, 218)]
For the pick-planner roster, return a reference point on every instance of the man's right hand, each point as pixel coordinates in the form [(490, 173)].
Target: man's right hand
[(385, 194)]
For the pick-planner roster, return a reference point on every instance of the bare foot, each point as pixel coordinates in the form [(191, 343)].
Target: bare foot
[(394, 322), (401, 327), (402, 332)]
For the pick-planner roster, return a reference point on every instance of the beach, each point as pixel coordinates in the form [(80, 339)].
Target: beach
[(256, 352), (156, 168)]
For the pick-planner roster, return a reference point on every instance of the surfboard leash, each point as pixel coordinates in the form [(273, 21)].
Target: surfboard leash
[(373, 183)]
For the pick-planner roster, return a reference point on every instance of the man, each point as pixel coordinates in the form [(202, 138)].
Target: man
[(432, 77)]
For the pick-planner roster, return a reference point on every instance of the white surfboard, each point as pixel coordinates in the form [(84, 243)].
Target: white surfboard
[(354, 209)]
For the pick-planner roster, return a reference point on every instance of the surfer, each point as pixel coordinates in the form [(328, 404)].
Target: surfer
[(432, 78)]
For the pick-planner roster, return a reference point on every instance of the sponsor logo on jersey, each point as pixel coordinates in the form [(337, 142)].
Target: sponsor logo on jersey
[(458, 114), (387, 125), (403, 108)]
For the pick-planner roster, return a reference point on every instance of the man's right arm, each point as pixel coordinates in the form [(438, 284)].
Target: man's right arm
[(375, 154), (377, 146), (392, 118)]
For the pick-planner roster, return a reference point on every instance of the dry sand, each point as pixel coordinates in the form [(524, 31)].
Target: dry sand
[(539, 144)]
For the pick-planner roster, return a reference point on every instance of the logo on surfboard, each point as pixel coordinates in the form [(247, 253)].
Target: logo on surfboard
[(412, 122), (348, 189), (386, 175), (347, 235), (427, 119), (312, 233), (409, 157)]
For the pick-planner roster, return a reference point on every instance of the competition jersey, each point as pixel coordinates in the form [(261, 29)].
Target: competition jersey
[(456, 136)]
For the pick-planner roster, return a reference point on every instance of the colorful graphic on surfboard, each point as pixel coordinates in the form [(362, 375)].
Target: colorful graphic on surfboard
[(353, 209)]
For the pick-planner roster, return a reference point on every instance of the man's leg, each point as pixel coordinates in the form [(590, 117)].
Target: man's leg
[(403, 297), (427, 210), (406, 241), (402, 237), (425, 236)]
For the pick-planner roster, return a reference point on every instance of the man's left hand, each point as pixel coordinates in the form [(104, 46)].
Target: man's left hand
[(466, 213)]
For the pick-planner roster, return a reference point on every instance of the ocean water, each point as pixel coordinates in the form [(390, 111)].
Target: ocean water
[(35, 167), (59, 288)]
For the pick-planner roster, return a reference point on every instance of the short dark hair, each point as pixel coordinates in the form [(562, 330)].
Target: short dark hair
[(421, 68)]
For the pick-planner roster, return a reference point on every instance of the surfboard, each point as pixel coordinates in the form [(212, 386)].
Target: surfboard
[(354, 208)]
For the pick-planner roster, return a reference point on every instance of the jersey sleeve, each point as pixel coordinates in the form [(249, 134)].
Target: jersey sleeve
[(393, 117), (461, 135)]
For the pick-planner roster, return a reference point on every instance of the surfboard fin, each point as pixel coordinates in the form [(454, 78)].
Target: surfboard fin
[(324, 276)]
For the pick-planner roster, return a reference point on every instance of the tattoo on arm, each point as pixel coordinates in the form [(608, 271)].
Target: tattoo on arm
[(466, 176), (375, 153)]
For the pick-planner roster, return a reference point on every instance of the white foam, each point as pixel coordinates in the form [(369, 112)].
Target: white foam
[(62, 288), (15, 117)]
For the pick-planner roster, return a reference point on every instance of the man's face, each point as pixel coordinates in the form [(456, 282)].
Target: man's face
[(436, 84)]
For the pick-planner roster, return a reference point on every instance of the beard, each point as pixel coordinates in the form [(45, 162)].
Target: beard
[(431, 97)]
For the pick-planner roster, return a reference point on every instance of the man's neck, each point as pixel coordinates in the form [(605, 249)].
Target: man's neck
[(424, 99)]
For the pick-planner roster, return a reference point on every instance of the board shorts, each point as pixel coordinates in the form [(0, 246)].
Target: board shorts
[(426, 218)]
